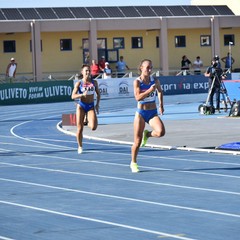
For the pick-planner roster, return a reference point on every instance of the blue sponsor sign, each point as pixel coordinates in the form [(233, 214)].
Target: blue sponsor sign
[(172, 85)]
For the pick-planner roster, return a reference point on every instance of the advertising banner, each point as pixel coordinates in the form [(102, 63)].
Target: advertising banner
[(171, 85), (189, 84), (59, 91), (40, 92), (116, 87)]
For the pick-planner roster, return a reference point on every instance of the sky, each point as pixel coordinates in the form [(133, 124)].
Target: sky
[(90, 3)]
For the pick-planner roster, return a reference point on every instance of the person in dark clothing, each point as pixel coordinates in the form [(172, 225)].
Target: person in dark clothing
[(185, 63), (215, 75)]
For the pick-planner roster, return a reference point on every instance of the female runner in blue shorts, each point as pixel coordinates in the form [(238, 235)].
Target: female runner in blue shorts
[(146, 90), (84, 91)]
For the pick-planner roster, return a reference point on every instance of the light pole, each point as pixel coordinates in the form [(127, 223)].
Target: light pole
[(230, 55)]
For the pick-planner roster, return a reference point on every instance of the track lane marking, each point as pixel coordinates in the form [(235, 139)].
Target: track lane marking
[(120, 179), (124, 198), (95, 220)]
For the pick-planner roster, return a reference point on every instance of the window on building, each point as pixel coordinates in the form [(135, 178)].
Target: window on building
[(85, 43), (9, 46), (112, 55), (180, 41), (205, 40), (86, 56), (229, 40), (118, 43), (157, 41), (137, 42), (65, 44), (102, 43)]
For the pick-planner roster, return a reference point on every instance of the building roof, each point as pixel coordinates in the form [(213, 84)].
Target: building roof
[(111, 12)]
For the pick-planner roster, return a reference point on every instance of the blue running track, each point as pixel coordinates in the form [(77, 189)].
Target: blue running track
[(48, 191)]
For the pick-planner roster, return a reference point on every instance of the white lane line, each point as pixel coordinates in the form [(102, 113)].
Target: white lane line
[(36, 113), (53, 140), (52, 146), (122, 179), (170, 147), (109, 152), (96, 220), (125, 198), (188, 171), (5, 238), (35, 140), (29, 139)]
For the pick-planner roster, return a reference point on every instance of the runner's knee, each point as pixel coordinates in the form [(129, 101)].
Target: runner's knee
[(159, 133)]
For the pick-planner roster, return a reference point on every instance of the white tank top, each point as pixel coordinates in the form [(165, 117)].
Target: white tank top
[(89, 87), (12, 70)]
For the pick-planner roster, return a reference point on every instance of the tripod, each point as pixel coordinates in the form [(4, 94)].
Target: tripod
[(215, 85), (209, 109), (226, 98)]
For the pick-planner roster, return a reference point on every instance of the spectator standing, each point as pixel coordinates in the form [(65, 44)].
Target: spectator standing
[(121, 67), (107, 72), (87, 58), (95, 70), (185, 64), (197, 65), (101, 64), (229, 61), (11, 70)]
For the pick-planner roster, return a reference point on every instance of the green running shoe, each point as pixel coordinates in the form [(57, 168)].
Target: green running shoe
[(144, 138), (134, 168)]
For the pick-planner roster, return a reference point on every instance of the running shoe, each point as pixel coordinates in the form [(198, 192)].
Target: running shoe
[(144, 138), (80, 150), (134, 167)]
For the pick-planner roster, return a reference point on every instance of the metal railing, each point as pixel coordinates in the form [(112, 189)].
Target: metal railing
[(54, 76)]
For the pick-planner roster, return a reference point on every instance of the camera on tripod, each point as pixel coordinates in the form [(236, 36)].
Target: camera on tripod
[(216, 86), (216, 62), (216, 70)]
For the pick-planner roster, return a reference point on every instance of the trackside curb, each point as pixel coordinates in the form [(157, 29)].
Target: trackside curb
[(59, 127)]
